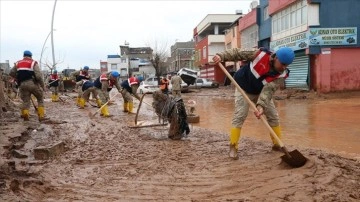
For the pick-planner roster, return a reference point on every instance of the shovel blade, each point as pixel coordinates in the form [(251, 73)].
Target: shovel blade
[(296, 159)]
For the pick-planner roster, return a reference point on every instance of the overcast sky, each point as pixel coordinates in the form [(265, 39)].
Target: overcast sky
[(88, 31)]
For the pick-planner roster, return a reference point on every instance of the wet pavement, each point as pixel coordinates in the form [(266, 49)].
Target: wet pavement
[(325, 124)]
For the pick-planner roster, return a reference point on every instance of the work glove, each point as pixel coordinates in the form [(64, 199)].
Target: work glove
[(216, 58)]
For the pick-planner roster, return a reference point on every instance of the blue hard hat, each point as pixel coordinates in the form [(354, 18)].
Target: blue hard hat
[(115, 74), (140, 78), (285, 55), (86, 68), (27, 53), (55, 71)]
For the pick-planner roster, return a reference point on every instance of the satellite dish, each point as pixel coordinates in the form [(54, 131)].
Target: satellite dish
[(253, 4)]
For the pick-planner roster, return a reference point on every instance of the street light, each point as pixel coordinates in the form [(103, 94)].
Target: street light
[(43, 48)]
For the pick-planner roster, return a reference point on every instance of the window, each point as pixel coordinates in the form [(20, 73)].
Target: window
[(113, 66), (228, 46), (266, 13), (249, 37), (204, 52), (289, 18)]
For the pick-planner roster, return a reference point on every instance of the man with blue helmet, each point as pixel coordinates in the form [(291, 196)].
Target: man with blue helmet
[(28, 75), (104, 84), (259, 78)]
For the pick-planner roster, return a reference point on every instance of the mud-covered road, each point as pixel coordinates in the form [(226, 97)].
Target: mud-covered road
[(103, 159)]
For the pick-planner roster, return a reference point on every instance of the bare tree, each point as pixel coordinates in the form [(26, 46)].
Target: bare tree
[(158, 59)]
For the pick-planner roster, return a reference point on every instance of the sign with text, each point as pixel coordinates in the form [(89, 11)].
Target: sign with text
[(295, 42), (333, 36)]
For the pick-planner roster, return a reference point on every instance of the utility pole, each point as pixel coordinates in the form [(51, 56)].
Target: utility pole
[(52, 35)]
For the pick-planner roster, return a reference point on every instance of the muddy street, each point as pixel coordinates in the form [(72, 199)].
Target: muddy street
[(103, 159)]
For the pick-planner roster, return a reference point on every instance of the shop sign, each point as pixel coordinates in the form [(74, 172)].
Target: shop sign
[(296, 42), (333, 36)]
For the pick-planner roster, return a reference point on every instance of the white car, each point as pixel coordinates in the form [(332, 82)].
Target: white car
[(204, 83), (152, 81), (145, 88)]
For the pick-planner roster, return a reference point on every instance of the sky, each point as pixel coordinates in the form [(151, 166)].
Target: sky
[(85, 32)]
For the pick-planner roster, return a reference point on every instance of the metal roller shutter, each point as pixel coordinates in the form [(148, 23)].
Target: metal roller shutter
[(298, 73)]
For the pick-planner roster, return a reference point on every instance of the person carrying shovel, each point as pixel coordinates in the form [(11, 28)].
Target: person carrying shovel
[(259, 79), (104, 84)]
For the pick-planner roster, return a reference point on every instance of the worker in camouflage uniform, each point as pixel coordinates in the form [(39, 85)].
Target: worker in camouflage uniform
[(30, 80), (77, 76), (54, 86), (88, 88), (176, 85), (260, 78), (104, 84), (129, 88)]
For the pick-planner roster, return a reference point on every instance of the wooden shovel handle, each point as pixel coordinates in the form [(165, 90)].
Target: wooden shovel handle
[(273, 134), (102, 106)]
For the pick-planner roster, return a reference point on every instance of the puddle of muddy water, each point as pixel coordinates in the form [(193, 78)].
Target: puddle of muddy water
[(330, 125)]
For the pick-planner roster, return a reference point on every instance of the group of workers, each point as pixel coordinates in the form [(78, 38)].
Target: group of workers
[(30, 81), (260, 76)]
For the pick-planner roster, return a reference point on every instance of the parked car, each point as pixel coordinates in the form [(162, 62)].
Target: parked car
[(145, 87), (152, 81), (204, 83)]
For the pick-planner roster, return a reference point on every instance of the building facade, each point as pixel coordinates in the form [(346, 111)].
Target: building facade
[(322, 33), (182, 55), (209, 38)]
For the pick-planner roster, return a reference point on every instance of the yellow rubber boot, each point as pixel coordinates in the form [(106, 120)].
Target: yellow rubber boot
[(126, 105), (25, 114), (130, 107), (277, 130), (52, 98), (56, 98), (82, 103), (77, 101), (234, 142), (98, 102), (105, 111), (41, 113)]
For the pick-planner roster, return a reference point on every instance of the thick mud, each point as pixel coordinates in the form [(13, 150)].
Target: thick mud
[(103, 159)]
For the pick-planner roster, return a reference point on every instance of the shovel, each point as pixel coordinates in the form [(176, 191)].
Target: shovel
[(33, 103), (92, 115), (294, 158)]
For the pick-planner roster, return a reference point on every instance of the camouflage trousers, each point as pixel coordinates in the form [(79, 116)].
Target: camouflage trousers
[(242, 110), (126, 95), (90, 91), (28, 88), (78, 89), (102, 95), (54, 90), (176, 93)]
